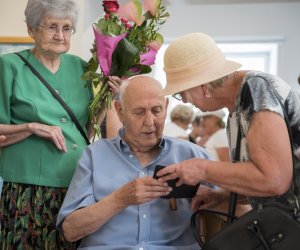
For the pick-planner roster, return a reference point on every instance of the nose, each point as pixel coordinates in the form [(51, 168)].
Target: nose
[(59, 33), (149, 119)]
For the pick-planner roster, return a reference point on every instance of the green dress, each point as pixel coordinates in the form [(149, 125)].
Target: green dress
[(36, 174)]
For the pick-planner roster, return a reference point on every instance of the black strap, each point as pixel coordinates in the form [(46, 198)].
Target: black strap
[(57, 97), (233, 196)]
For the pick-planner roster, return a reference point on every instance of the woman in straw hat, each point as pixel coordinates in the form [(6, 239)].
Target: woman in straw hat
[(198, 72)]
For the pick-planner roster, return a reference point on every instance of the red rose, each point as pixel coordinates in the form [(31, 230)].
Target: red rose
[(110, 6)]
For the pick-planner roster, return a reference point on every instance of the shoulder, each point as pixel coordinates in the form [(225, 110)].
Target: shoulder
[(185, 148), (257, 92), (10, 58)]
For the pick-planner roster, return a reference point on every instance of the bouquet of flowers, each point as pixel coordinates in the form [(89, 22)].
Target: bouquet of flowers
[(126, 43)]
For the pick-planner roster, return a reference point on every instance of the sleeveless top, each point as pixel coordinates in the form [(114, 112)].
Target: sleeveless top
[(256, 95)]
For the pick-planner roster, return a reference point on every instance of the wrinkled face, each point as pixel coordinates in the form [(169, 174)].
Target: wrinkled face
[(53, 35), (143, 115)]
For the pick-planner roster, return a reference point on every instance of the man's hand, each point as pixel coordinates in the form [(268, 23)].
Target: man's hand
[(209, 198), (142, 190)]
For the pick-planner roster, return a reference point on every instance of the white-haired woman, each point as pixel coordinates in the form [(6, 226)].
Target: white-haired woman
[(42, 143), (198, 71)]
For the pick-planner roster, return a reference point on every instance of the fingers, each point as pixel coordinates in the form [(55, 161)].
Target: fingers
[(2, 138), (58, 138), (145, 189), (114, 83), (52, 133)]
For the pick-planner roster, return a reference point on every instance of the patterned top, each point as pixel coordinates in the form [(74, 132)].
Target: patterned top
[(256, 95)]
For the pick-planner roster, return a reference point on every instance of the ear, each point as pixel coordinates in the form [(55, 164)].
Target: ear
[(205, 90), (30, 31), (119, 110)]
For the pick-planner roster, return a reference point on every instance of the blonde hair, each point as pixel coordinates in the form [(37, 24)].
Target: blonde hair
[(183, 113)]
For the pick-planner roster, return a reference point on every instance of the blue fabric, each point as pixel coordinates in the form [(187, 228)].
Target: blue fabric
[(105, 166)]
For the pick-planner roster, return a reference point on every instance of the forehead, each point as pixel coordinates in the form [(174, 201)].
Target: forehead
[(51, 19), (145, 98)]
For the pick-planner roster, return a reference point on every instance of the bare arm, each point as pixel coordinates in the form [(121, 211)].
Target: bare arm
[(268, 173), (87, 220), (16, 133), (223, 154)]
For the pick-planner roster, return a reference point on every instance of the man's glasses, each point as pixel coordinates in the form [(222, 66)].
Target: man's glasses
[(177, 96), (53, 29)]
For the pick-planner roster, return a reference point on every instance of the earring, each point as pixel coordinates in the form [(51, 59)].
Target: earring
[(207, 95)]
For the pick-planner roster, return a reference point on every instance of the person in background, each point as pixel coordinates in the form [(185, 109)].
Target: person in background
[(215, 139), (181, 117), (197, 71), (113, 200), (42, 143), (197, 131)]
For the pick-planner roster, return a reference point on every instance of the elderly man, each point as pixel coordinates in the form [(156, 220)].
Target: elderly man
[(113, 200)]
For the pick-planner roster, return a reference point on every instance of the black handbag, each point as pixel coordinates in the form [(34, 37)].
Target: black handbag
[(270, 226)]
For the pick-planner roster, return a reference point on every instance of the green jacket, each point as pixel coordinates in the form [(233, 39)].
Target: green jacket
[(25, 99)]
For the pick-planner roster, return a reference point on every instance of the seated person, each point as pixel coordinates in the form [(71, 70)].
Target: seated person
[(215, 139), (181, 117), (113, 200), (197, 131)]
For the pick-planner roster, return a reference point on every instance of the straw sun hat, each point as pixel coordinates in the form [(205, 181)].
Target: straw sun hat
[(192, 60)]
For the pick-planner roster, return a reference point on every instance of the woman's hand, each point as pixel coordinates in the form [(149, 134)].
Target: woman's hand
[(2, 138), (189, 172), (114, 83), (52, 133)]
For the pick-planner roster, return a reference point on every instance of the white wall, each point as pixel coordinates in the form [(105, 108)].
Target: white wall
[(279, 21)]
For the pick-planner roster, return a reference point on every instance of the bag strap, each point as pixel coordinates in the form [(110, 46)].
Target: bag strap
[(233, 196), (57, 97)]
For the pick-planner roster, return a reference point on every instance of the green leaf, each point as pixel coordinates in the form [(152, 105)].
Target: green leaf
[(125, 56)]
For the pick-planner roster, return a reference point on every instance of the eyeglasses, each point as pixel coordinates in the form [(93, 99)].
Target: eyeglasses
[(177, 96), (53, 29)]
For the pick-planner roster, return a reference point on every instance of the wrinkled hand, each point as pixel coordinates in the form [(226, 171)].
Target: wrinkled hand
[(2, 138), (114, 83), (189, 172), (142, 190), (52, 133), (208, 198)]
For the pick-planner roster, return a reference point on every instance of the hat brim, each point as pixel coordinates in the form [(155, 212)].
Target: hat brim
[(193, 77)]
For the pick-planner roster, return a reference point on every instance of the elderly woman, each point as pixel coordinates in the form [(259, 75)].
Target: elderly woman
[(215, 140), (198, 71), (42, 143), (181, 117)]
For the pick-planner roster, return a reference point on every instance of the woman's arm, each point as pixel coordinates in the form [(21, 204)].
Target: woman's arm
[(268, 172), (19, 132)]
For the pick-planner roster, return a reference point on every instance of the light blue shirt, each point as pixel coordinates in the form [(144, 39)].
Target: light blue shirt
[(105, 166)]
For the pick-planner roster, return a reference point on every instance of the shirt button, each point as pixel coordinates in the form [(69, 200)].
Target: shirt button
[(144, 216), (63, 120), (130, 156), (57, 92), (141, 248), (74, 146)]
